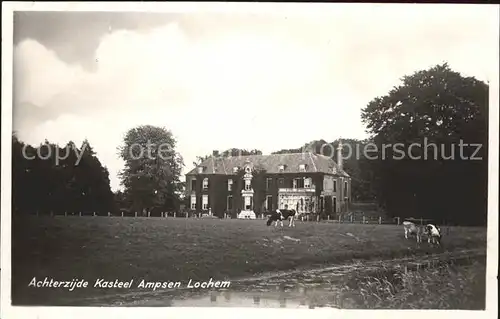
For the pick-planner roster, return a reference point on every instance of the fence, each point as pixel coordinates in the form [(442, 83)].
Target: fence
[(347, 218)]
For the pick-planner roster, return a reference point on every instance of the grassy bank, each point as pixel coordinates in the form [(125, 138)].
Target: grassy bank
[(157, 249), (445, 287)]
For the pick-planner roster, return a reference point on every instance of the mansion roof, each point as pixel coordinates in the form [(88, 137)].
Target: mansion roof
[(311, 162)]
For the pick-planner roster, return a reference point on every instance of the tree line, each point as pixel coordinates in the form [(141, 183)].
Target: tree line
[(437, 105), (50, 179)]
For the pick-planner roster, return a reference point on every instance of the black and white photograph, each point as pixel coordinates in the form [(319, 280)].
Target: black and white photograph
[(306, 157)]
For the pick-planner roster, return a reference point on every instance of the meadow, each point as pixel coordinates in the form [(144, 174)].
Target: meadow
[(178, 249)]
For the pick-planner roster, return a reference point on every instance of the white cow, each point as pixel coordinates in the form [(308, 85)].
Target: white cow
[(412, 229)]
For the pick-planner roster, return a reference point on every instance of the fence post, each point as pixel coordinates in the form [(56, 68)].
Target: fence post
[(351, 218), (93, 214), (364, 220), (122, 214), (398, 220), (175, 214), (135, 214), (328, 217), (149, 213), (109, 214), (65, 214), (339, 219), (380, 220), (317, 218), (80, 214)]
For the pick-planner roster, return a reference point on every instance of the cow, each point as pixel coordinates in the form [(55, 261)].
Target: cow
[(412, 229), (433, 233), (282, 214)]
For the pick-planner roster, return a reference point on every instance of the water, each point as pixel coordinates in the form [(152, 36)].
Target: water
[(295, 289)]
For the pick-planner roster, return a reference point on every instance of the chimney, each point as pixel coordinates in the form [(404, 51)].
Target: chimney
[(339, 156), (215, 153)]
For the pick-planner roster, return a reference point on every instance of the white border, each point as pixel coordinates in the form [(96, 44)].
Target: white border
[(7, 311)]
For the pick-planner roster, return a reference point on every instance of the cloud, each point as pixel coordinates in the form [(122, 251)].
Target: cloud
[(266, 82)]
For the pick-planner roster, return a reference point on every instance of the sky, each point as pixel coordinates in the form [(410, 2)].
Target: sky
[(267, 81)]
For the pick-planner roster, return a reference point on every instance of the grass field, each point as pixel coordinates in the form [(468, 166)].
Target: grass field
[(174, 249)]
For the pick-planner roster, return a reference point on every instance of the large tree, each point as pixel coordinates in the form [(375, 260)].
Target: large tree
[(436, 106), (151, 176)]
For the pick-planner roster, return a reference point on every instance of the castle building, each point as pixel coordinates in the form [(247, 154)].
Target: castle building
[(307, 182)]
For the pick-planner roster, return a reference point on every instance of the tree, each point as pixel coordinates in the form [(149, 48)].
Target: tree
[(49, 178), (151, 176), (437, 106), (234, 152), (200, 159)]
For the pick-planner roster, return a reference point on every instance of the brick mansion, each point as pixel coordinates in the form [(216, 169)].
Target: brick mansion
[(307, 182)]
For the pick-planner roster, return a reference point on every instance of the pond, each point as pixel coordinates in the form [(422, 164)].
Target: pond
[(295, 289)]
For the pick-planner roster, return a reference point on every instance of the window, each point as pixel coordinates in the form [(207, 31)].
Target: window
[(200, 169), (298, 183), (230, 202), (229, 185), (205, 202), (345, 189), (193, 184), (302, 167), (193, 201), (269, 203), (235, 169), (281, 168), (307, 183), (281, 182), (335, 204), (205, 183), (269, 182), (334, 185), (248, 185)]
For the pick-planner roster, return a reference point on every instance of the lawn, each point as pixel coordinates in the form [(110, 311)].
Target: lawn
[(174, 249)]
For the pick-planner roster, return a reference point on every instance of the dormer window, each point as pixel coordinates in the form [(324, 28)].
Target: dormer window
[(205, 183), (302, 167), (281, 168), (200, 169), (235, 169)]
